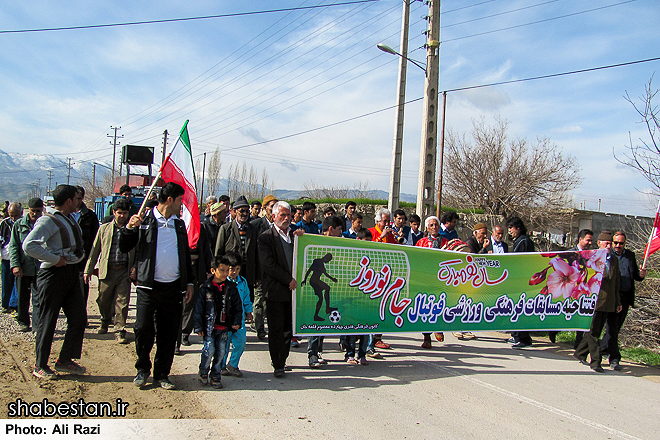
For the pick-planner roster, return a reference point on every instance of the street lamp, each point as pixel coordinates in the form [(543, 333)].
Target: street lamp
[(388, 49)]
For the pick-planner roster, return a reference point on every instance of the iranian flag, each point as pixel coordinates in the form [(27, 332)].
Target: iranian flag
[(178, 168)]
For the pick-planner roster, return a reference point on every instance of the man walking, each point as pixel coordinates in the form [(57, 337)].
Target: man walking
[(262, 224), (163, 273), (521, 243), (56, 241), (15, 211), (114, 266), (23, 266)]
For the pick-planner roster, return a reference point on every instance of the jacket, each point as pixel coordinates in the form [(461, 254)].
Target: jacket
[(489, 248), (89, 224), (145, 237), (101, 251), (17, 257), (475, 246), (609, 298), (523, 244), (628, 298), (229, 239), (274, 266), (244, 294), (206, 309)]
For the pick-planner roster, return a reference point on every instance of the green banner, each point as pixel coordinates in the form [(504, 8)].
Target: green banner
[(350, 286)]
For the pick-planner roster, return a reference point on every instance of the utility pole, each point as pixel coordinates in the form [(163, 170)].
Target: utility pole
[(68, 173), (94, 175), (164, 146), (50, 178), (438, 211), (395, 176), (427, 160), (114, 149), (38, 188), (201, 194)]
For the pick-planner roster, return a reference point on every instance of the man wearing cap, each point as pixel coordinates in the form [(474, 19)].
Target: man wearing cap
[(241, 237), (23, 266), (607, 307), (478, 242), (262, 224), (211, 225)]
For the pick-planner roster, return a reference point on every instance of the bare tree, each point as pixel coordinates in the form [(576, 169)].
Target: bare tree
[(486, 170), (247, 182), (101, 186), (213, 173), (358, 190), (645, 156)]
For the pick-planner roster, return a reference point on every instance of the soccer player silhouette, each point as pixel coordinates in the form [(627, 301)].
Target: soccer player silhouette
[(321, 289)]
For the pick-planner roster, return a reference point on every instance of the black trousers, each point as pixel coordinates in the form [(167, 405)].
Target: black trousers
[(523, 337), (610, 342), (164, 301), (590, 340), (58, 288), (26, 285), (280, 331)]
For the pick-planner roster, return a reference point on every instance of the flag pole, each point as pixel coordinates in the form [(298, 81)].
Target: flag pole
[(160, 172), (648, 244)]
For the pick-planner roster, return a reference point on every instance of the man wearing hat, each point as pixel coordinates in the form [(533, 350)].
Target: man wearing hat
[(241, 237), (23, 266), (607, 307), (478, 243)]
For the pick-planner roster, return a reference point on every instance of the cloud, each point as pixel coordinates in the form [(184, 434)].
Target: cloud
[(570, 129), (288, 165), (253, 134)]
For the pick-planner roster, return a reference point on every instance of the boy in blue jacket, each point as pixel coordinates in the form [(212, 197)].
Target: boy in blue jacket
[(218, 311), (238, 338)]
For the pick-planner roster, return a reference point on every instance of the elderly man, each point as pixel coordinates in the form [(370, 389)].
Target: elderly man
[(383, 232), (478, 243), (497, 245), (15, 211), (521, 243), (607, 308), (210, 201), (114, 265), (276, 260), (56, 241), (23, 266)]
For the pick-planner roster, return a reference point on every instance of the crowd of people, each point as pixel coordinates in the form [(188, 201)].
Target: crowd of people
[(240, 273)]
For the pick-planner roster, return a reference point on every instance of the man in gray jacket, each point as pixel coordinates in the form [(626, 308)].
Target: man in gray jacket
[(56, 241)]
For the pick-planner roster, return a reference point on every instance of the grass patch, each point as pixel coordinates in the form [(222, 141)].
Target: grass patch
[(641, 355)]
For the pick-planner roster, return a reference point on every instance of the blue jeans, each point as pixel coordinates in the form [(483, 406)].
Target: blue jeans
[(349, 343), (7, 284), (314, 346), (370, 342), (214, 349)]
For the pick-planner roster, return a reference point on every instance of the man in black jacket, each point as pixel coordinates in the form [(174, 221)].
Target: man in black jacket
[(89, 224), (164, 271), (276, 261), (521, 243), (630, 273)]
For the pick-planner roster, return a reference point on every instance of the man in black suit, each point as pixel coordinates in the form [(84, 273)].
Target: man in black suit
[(276, 262), (496, 245)]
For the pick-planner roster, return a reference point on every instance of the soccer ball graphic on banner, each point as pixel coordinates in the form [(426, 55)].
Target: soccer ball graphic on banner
[(334, 316)]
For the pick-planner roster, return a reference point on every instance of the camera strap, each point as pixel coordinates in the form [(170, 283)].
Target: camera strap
[(64, 233)]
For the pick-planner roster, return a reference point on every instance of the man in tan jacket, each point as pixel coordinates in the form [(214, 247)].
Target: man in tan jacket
[(113, 273)]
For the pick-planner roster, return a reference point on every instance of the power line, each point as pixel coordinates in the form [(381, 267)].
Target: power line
[(173, 20), (498, 14)]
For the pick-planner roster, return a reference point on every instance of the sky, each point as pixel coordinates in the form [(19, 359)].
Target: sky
[(260, 87)]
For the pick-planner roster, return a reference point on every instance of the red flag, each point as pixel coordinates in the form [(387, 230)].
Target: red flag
[(178, 168), (654, 240)]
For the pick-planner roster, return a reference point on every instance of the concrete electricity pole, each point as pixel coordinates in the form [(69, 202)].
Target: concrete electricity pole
[(68, 173), (395, 176), (427, 160), (114, 149)]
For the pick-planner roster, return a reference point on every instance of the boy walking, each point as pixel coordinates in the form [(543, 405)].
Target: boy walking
[(217, 312)]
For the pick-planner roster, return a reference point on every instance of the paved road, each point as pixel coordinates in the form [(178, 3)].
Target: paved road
[(478, 389)]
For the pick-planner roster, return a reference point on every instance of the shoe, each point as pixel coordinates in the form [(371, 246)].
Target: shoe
[(164, 384), (121, 337), (203, 379), (598, 369), (511, 340), (364, 361), (614, 364), (261, 336), (321, 360), (427, 344), (382, 345), (519, 345), (177, 351), (314, 362), (458, 335), (582, 361), (351, 360), (185, 341), (23, 328), (4, 310), (13, 313), (44, 373), (374, 354), (140, 379), (439, 336), (233, 371), (279, 372), (295, 343), (215, 383), (468, 335), (102, 330), (225, 372), (553, 337), (69, 367)]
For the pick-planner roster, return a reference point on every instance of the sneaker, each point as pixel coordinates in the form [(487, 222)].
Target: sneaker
[(614, 364), (70, 367), (225, 372), (165, 384), (141, 379), (261, 336), (321, 360), (511, 340), (314, 362), (279, 372), (351, 360), (203, 379), (458, 335), (374, 354), (295, 343), (23, 328), (185, 341), (44, 373), (364, 361), (121, 337), (519, 345), (14, 313), (234, 371), (215, 382), (382, 345), (102, 330), (468, 335)]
